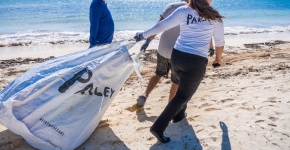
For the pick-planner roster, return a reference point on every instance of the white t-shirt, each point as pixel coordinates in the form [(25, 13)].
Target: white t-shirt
[(195, 32), (168, 38)]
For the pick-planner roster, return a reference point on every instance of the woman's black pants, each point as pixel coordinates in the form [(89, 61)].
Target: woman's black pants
[(191, 69)]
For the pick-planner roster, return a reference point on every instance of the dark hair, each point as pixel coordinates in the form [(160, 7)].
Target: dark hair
[(204, 10)]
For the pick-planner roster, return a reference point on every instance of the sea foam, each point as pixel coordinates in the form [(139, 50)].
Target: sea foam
[(40, 37)]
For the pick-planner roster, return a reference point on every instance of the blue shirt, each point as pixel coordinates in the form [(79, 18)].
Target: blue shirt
[(102, 24)]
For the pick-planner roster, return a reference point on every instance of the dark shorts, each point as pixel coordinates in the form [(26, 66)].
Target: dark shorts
[(162, 68)]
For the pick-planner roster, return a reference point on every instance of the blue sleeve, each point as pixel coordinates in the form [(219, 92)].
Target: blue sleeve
[(95, 15)]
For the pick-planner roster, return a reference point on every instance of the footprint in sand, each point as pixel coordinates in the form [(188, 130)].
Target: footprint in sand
[(204, 105), (273, 125), (258, 114), (249, 109), (142, 128), (231, 105), (226, 100), (285, 134), (244, 104), (276, 144), (103, 123), (150, 138), (214, 138), (266, 106), (258, 121), (199, 130), (134, 108), (273, 119), (212, 109), (192, 118)]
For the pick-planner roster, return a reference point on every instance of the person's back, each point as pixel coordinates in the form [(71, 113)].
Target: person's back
[(195, 27), (169, 37), (102, 24), (195, 32)]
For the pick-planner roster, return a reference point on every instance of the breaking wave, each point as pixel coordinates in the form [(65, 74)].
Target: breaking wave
[(40, 37)]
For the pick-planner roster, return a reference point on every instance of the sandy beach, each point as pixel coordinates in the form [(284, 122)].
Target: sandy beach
[(243, 105)]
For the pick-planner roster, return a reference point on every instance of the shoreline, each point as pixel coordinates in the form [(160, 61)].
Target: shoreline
[(43, 51)]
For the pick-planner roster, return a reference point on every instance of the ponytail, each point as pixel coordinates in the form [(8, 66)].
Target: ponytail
[(204, 10)]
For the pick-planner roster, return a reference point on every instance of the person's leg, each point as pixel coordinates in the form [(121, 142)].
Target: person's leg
[(161, 70), (192, 70), (175, 83), (187, 87), (179, 116), (174, 80), (173, 90), (151, 84)]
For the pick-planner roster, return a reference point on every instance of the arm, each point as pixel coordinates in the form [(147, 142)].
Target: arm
[(168, 23), (210, 44), (149, 39), (153, 36), (95, 15), (219, 42), (166, 12), (219, 52)]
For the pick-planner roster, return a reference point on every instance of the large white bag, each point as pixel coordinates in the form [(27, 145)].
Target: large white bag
[(59, 103)]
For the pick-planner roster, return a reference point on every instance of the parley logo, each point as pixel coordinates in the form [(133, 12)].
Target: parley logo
[(90, 89), (76, 77), (193, 20)]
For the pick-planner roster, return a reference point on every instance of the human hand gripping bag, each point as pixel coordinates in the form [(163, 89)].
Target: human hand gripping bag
[(59, 103)]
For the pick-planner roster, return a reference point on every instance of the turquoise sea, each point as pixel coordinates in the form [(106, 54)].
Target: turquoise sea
[(47, 21)]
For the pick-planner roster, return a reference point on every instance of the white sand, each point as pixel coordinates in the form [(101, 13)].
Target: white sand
[(243, 105), (39, 51)]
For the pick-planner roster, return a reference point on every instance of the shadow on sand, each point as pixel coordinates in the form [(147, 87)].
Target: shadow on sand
[(12, 141), (110, 141), (182, 137), (141, 113), (226, 145), (142, 116)]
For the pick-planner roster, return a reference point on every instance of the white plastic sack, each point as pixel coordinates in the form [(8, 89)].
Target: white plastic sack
[(59, 103)]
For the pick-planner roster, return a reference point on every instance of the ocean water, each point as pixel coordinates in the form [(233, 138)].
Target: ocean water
[(31, 22)]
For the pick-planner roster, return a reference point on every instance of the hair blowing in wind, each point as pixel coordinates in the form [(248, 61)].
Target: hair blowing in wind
[(204, 10)]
